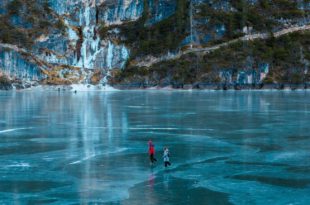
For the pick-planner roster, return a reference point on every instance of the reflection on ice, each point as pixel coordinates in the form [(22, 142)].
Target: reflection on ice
[(117, 150), (83, 148)]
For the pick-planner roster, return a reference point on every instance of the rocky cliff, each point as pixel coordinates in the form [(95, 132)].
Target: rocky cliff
[(153, 42)]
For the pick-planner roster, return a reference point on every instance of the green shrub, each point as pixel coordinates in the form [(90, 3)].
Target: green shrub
[(285, 55), (4, 81), (158, 38), (103, 31), (35, 13), (14, 6)]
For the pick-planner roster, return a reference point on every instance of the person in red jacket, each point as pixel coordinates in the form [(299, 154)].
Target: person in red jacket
[(152, 152)]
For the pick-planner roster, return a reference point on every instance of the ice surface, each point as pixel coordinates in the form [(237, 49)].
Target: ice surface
[(91, 147), (14, 129)]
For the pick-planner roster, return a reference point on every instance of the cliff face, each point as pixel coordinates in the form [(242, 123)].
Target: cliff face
[(72, 43), (108, 41)]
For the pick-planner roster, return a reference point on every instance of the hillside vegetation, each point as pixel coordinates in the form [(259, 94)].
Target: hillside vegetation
[(26, 20)]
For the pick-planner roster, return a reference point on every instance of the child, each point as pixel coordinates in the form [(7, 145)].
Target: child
[(166, 157)]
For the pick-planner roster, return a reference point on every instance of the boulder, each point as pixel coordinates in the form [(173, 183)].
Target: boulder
[(5, 83)]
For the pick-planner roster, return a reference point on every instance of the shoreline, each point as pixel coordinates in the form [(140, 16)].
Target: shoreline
[(141, 87)]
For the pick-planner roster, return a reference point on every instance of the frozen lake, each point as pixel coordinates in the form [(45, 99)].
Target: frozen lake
[(91, 148)]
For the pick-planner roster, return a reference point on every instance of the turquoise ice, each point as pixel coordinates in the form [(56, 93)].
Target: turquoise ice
[(91, 147)]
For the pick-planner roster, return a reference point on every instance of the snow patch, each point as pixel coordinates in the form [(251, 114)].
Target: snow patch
[(85, 87)]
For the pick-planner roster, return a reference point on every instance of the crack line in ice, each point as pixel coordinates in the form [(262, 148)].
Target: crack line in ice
[(15, 129), (19, 165), (154, 128)]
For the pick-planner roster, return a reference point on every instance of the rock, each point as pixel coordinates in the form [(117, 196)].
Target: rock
[(18, 86), (27, 85), (237, 87), (225, 87), (196, 86), (188, 86), (5, 83), (34, 83)]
